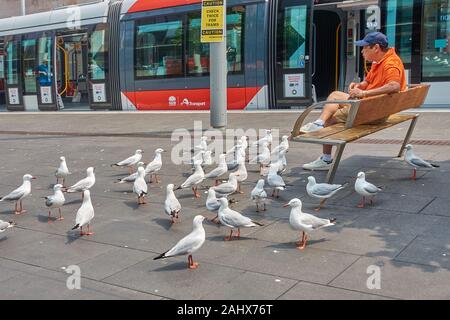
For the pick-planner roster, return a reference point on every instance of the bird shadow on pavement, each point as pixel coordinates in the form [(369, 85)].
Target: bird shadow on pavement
[(176, 266), (72, 235), (165, 223), (221, 238), (293, 245), (133, 204)]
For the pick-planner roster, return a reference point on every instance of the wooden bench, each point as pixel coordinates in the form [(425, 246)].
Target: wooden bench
[(361, 113)]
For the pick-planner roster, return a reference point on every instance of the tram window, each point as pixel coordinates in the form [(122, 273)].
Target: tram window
[(97, 55), (159, 48), (44, 69), (198, 53), (293, 37), (399, 26), (2, 67), (12, 63), (436, 40), (29, 66)]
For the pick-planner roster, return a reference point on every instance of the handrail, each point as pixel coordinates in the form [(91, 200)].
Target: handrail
[(66, 65), (337, 57), (298, 124)]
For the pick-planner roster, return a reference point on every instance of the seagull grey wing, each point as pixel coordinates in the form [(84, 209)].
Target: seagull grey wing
[(276, 181), (235, 219), (14, 195), (186, 245), (192, 180), (418, 162), (49, 201), (324, 189), (153, 167), (370, 188)]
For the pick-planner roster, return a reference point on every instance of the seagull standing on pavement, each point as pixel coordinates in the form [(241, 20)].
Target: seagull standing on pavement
[(172, 206), (365, 189), (194, 179), (322, 191), (130, 161), (62, 172), (189, 244), (227, 188), (153, 167), (218, 172), (19, 194), (283, 146), (85, 214), (263, 158), (267, 139), (275, 181), (6, 225), (132, 176), (140, 186), (234, 220), (259, 195), (84, 184), (305, 222), (416, 162), (55, 201), (242, 174)]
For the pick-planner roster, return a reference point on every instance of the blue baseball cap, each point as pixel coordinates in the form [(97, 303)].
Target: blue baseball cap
[(373, 38)]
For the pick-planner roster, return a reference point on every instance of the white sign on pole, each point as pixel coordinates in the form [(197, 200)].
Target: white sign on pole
[(13, 96), (46, 95), (99, 92), (294, 85)]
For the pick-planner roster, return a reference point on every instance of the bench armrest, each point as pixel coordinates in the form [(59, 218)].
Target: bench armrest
[(298, 124)]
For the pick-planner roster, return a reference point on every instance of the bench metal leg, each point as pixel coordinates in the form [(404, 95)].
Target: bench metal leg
[(337, 159), (408, 135)]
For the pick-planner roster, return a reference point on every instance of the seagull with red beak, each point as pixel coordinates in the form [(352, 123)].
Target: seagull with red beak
[(19, 194)]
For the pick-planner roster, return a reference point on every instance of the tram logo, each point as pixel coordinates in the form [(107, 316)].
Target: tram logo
[(172, 101), (187, 103)]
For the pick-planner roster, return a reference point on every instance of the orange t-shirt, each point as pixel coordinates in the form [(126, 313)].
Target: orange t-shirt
[(390, 68)]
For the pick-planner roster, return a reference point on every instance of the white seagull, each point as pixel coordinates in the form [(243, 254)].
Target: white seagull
[(85, 214), (189, 244), (234, 220), (18, 194), (365, 189), (6, 225), (275, 181), (132, 176), (242, 174), (263, 158), (172, 206), (266, 139), (84, 184), (283, 146), (194, 179), (140, 186), (153, 167), (259, 195), (305, 222), (322, 191), (227, 188), (218, 172), (130, 161), (202, 146), (416, 162), (62, 172), (55, 201)]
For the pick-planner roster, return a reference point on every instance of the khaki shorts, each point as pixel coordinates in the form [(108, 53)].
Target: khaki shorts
[(342, 114)]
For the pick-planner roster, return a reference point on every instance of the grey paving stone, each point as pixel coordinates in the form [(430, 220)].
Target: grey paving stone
[(398, 279), (440, 206), (312, 291)]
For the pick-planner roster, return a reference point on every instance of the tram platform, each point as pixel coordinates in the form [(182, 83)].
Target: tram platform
[(404, 234)]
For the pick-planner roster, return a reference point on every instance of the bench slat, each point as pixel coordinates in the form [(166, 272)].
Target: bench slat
[(363, 130), (323, 133)]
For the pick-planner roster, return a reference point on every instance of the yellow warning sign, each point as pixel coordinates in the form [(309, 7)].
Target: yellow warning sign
[(212, 21)]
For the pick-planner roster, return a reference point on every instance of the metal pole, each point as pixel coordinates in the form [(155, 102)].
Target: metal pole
[(22, 7), (218, 79)]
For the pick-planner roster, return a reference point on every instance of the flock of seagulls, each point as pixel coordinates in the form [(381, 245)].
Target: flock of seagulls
[(231, 163)]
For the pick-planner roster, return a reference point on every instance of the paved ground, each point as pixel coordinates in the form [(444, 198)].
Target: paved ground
[(406, 232)]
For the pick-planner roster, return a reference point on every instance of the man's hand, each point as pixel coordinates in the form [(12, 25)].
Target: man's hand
[(356, 93), (353, 85)]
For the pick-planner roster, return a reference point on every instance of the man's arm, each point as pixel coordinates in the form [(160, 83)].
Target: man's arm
[(391, 87), (362, 85)]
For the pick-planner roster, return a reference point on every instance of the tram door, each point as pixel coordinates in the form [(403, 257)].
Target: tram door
[(45, 79), (293, 53), (13, 78), (72, 71)]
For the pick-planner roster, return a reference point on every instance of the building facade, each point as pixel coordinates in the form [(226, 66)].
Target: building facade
[(12, 8)]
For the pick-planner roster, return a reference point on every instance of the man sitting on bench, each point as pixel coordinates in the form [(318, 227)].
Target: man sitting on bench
[(387, 75)]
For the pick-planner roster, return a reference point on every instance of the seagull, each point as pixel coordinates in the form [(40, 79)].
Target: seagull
[(194, 179), (6, 225), (275, 181), (140, 186), (207, 159), (238, 155), (281, 162), (62, 172), (203, 146), (132, 177), (212, 203), (416, 161), (85, 214), (84, 184), (322, 191), (227, 188), (267, 139), (305, 222), (18, 194), (263, 158), (259, 195), (283, 146), (233, 219), (153, 167), (131, 161), (172, 206), (242, 174), (365, 189), (218, 172), (55, 201), (189, 244)]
